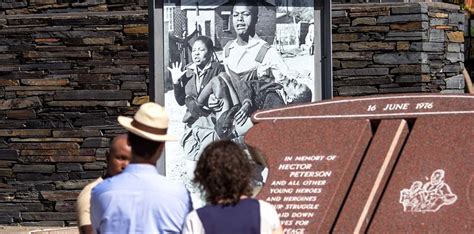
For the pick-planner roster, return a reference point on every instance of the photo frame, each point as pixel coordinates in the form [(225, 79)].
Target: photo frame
[(296, 40)]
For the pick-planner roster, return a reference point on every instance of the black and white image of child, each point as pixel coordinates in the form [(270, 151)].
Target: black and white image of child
[(224, 64)]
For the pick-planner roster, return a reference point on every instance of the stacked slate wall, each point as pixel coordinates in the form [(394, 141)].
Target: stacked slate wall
[(64, 79), (397, 48), (12, 7)]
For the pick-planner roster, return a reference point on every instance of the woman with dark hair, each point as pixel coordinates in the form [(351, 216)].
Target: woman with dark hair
[(199, 122), (188, 84), (225, 173)]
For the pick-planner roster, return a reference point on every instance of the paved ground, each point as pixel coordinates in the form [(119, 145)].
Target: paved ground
[(38, 230)]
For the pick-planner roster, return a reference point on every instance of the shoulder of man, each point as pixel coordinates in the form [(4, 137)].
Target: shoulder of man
[(83, 203), (227, 48), (108, 184), (262, 52), (88, 188), (176, 188), (165, 184)]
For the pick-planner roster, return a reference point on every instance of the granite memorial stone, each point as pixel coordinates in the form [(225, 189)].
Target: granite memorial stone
[(379, 164)]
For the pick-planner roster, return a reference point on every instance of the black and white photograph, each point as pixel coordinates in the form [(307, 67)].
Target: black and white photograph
[(224, 61)]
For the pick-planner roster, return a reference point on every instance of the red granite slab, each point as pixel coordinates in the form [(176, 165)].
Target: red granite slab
[(382, 107), (436, 146), (379, 184), (311, 166), (375, 171)]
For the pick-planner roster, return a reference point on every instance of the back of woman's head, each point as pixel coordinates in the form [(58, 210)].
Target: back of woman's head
[(224, 173)]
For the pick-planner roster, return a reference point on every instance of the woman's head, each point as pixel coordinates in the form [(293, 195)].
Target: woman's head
[(224, 173), (202, 50)]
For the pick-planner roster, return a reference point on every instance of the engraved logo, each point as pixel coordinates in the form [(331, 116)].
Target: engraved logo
[(428, 197)]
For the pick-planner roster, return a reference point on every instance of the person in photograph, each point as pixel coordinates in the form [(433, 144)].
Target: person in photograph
[(266, 94), (224, 174), (218, 88), (182, 44), (117, 159), (248, 57), (269, 94), (140, 200), (199, 122), (187, 84)]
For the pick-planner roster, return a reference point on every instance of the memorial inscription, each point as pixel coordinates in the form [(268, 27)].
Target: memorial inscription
[(300, 192), (308, 181), (403, 106), (381, 164)]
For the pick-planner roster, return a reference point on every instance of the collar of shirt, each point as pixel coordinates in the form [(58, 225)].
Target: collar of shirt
[(193, 67), (199, 73), (140, 168), (253, 41)]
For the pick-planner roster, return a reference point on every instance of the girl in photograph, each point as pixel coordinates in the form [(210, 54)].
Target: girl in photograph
[(199, 122), (188, 84), (224, 174)]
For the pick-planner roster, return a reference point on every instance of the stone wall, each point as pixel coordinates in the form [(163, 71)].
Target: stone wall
[(11, 7), (64, 79), (397, 48)]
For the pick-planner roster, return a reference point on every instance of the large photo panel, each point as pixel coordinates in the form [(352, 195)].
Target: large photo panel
[(224, 60)]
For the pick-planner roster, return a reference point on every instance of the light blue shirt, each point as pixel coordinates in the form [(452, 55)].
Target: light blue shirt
[(139, 200)]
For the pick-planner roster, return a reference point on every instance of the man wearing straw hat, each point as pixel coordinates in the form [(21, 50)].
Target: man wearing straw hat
[(140, 200)]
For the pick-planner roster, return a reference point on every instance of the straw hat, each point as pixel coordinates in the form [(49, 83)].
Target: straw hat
[(150, 122)]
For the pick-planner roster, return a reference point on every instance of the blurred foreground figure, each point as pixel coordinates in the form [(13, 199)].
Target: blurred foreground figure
[(140, 200), (117, 159), (224, 173)]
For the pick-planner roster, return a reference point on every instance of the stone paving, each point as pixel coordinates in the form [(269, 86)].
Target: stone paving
[(37, 230)]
